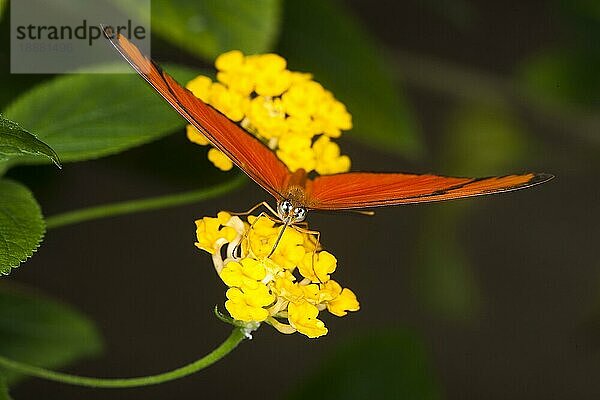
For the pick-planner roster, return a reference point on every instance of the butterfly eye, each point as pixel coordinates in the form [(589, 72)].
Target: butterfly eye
[(299, 214), (285, 208)]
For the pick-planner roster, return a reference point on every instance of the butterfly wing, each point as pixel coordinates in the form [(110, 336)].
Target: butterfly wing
[(357, 190), (247, 152)]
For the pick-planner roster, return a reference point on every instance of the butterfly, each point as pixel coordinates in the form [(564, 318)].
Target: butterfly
[(294, 191)]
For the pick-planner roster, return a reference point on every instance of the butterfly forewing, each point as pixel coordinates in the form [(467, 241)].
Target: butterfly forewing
[(345, 191), (358, 190), (247, 152)]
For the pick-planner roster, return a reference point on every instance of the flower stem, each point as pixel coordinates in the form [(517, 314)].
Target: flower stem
[(227, 346), (133, 206)]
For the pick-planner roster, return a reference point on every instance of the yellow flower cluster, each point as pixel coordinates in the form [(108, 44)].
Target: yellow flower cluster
[(292, 114), (286, 289)]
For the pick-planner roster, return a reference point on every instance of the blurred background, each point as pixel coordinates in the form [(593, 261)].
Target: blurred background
[(494, 297)]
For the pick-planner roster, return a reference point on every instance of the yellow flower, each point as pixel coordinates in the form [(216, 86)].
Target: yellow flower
[(262, 237), (312, 293), (333, 118), (266, 117), (267, 62), (286, 289), (200, 86), (296, 152), (303, 99), (248, 304), (342, 301), (345, 302), (224, 217), (301, 126), (235, 73), (211, 235), (318, 266), (290, 250), (329, 290), (270, 83), (262, 226), (229, 102), (240, 82), (303, 317), (219, 159), (230, 61), (328, 158), (195, 136), (311, 244), (282, 108), (245, 274)]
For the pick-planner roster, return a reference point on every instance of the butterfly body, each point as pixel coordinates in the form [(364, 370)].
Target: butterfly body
[(294, 191)]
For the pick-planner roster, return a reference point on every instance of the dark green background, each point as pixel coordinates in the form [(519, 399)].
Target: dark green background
[(489, 298)]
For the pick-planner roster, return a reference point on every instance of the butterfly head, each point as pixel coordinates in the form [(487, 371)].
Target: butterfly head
[(290, 212)]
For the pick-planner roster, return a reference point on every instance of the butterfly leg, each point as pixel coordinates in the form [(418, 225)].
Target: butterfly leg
[(246, 236), (247, 232), (317, 235)]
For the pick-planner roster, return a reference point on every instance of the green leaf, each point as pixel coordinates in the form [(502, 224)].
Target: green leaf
[(43, 332), (386, 365), (93, 115), (15, 141), (21, 225), (4, 395), (209, 28), (320, 37)]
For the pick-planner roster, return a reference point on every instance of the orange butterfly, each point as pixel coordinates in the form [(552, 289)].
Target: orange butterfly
[(295, 192)]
